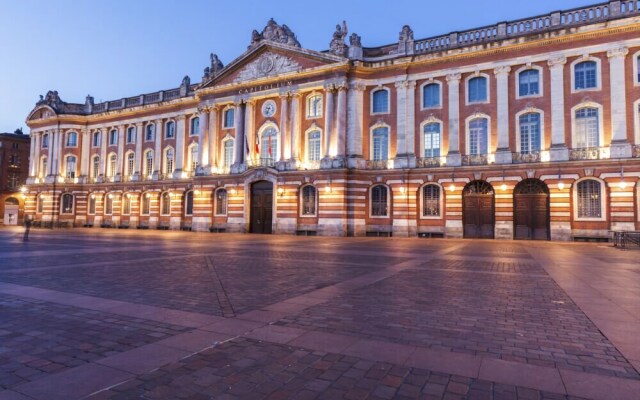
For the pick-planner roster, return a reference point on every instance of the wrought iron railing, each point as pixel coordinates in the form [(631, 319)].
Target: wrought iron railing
[(587, 153), (426, 162), (475, 159), (530, 157), (261, 162), (636, 151), (377, 164)]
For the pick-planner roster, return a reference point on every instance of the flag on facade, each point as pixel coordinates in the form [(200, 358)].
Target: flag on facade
[(258, 144), (269, 145)]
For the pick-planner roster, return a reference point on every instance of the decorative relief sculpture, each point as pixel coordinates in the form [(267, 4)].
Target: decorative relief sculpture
[(274, 33), (337, 45), (267, 64), (215, 67)]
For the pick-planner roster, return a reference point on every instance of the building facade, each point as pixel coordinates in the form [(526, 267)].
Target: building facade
[(14, 170), (527, 129)]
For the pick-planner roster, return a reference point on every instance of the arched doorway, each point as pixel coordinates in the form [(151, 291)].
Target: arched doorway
[(531, 210), (478, 210), (261, 207), (11, 211)]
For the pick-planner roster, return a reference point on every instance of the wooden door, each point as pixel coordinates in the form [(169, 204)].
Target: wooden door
[(261, 207), (531, 216), (478, 217)]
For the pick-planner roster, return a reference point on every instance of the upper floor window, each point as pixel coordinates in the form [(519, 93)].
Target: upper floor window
[(228, 118), (314, 145), (71, 167), (228, 152), (431, 201), (585, 75), (432, 140), (45, 140), (478, 136), (431, 96), (150, 132), (529, 133), (529, 83), (165, 204), (380, 144), (477, 89), (193, 155), (221, 202), (66, 206), (131, 162), (113, 137), (168, 161), (188, 203), (380, 100), (96, 139), (171, 130), (43, 169), (269, 143), (131, 134), (148, 166), (589, 196), (95, 167), (72, 139), (195, 126), (113, 165), (308, 200), (379, 201), (587, 128), (314, 106)]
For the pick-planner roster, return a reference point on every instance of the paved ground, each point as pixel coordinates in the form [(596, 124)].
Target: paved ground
[(102, 314)]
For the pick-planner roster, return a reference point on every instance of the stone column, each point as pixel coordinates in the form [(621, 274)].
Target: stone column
[(295, 128), (180, 129), (239, 139), (35, 158), (121, 130), (249, 128), (55, 144), (340, 137), (213, 137), (285, 151), (203, 141), (157, 154), (85, 137), (620, 146), (401, 123), (559, 151), (139, 161), (503, 152), (104, 132), (328, 120), (49, 170), (453, 156), (355, 101), (59, 144), (33, 164)]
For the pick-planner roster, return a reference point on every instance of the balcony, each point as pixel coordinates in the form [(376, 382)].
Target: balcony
[(261, 162), (310, 165), (530, 157), (377, 164), (427, 162), (475, 159), (589, 153)]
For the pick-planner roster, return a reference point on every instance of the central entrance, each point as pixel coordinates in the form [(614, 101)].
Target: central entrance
[(477, 210), (261, 207), (531, 210)]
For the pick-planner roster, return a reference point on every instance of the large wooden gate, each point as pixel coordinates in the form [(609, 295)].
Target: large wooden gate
[(531, 210), (478, 210), (261, 207)]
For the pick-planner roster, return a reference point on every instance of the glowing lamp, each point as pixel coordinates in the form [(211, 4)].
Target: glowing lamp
[(561, 185)]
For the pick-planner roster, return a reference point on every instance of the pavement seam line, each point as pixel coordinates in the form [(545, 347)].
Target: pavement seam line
[(221, 294)]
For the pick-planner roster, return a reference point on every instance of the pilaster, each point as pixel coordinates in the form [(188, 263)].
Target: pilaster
[(339, 141), (203, 142), (295, 127), (328, 119), (503, 152), (559, 151), (453, 156), (139, 161), (121, 130), (213, 137), (85, 138), (620, 146), (285, 150), (355, 101), (180, 131), (157, 156)]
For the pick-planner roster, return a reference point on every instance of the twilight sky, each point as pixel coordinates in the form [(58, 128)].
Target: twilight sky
[(120, 48)]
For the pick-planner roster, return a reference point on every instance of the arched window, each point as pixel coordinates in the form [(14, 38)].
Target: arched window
[(380, 143), (228, 153), (529, 83), (431, 95), (432, 140), (108, 204), (146, 204), (188, 203), (477, 89), (66, 206), (165, 204), (92, 204), (587, 128), (380, 101), (71, 167), (221, 202), (379, 201), (148, 163), (478, 136), (193, 154), (45, 140), (131, 163), (589, 193), (96, 139), (113, 137), (40, 205), (113, 165), (308, 200), (314, 106), (170, 130), (269, 144), (126, 204), (72, 139), (586, 75), (529, 133), (314, 145), (131, 134), (150, 132), (95, 166), (43, 170), (168, 161), (431, 201), (229, 118), (195, 126)]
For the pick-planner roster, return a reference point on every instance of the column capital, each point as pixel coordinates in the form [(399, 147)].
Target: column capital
[(203, 109), (295, 94), (341, 85), (181, 117), (454, 78), (358, 86), (620, 52), (158, 121), (502, 71), (329, 87), (139, 125), (557, 62)]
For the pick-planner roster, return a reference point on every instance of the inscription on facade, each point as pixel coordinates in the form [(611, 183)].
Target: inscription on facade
[(259, 88)]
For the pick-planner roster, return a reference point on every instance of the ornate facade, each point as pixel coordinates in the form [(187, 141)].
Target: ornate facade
[(527, 129)]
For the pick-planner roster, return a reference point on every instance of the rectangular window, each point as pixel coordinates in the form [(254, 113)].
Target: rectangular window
[(431, 201), (314, 145), (432, 140), (431, 96), (146, 204), (228, 153), (381, 101), (587, 127), (380, 144), (477, 89), (228, 118), (478, 143), (131, 135), (529, 84), (113, 137), (126, 205), (92, 204)]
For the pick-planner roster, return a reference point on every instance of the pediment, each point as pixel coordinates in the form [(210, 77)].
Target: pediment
[(41, 112), (270, 60)]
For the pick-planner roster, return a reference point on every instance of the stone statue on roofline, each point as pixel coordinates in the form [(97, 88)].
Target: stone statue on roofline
[(337, 45), (405, 40), (274, 33), (216, 64)]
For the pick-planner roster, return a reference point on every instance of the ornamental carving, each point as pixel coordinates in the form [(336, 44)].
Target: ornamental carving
[(337, 45), (274, 33), (268, 64)]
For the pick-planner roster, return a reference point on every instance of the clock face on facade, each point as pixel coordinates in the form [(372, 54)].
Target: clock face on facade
[(269, 108)]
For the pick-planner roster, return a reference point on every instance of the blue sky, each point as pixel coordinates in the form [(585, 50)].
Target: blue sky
[(119, 48)]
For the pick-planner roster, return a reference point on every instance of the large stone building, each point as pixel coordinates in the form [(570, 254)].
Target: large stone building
[(14, 170), (527, 129)]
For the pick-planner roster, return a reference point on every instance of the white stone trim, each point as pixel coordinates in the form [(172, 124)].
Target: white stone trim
[(577, 61), (431, 81), (66, 138), (466, 88), (636, 70), (527, 67), (421, 201), (587, 104), (374, 90), (603, 199), (543, 138)]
